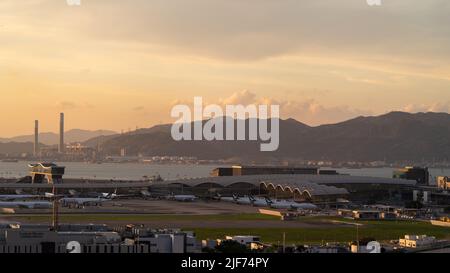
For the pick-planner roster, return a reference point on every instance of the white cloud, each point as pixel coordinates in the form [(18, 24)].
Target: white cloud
[(433, 107), (308, 111), (67, 105), (244, 97)]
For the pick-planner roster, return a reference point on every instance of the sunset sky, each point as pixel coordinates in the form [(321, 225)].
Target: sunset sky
[(114, 64)]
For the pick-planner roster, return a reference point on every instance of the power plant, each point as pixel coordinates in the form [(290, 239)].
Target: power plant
[(37, 151), (61, 134), (36, 138)]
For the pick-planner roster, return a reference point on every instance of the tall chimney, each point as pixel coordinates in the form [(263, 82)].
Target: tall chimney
[(36, 138), (61, 133)]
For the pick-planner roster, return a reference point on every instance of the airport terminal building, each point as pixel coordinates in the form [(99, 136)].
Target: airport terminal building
[(299, 187)]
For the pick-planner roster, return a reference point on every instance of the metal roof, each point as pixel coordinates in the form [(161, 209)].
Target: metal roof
[(313, 184)]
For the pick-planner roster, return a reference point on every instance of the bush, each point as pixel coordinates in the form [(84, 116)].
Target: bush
[(232, 247)]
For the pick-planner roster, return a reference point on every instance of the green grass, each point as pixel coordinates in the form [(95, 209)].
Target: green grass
[(327, 232), (135, 218), (379, 230)]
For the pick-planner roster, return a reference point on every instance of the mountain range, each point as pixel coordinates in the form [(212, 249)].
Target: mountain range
[(393, 137), (75, 135), (396, 136)]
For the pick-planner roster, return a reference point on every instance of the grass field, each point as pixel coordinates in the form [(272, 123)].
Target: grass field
[(135, 218), (379, 230), (328, 232)]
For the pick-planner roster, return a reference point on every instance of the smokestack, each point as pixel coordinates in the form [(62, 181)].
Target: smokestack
[(36, 138), (61, 133)]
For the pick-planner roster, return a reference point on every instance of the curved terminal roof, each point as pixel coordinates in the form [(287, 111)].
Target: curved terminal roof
[(43, 165), (312, 184)]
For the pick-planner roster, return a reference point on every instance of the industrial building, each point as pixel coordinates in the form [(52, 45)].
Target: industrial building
[(421, 175), (261, 170), (166, 241), (16, 238), (417, 241)]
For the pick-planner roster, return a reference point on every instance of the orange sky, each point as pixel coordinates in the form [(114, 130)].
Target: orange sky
[(121, 64)]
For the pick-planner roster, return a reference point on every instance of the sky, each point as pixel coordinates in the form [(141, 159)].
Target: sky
[(113, 64)]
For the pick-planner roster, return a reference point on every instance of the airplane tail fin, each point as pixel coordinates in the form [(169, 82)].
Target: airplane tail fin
[(73, 192), (235, 197), (268, 200), (146, 193), (49, 195)]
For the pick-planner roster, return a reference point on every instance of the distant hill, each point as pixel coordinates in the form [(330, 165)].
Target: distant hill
[(396, 136), (94, 142), (16, 148), (75, 135)]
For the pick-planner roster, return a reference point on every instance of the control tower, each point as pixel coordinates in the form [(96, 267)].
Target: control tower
[(48, 173)]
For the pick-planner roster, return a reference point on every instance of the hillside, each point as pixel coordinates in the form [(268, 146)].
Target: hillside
[(392, 137)]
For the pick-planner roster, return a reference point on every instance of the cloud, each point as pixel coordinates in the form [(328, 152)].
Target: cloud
[(139, 108), (259, 29), (308, 111), (254, 29), (433, 107), (244, 97), (68, 105)]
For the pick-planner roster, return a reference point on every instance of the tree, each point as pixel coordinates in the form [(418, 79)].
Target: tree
[(447, 209), (232, 247), (414, 205)]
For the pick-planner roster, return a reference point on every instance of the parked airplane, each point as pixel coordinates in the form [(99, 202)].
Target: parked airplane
[(182, 198), (114, 195), (246, 200), (306, 206), (26, 205), (12, 197), (81, 202), (259, 202), (146, 194), (74, 193), (229, 199), (284, 204)]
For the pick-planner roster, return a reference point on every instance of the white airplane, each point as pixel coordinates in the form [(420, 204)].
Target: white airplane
[(114, 195), (26, 205), (182, 198), (231, 199), (284, 204), (107, 195), (246, 200), (67, 201), (258, 202), (73, 193), (146, 194), (306, 206), (12, 197)]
